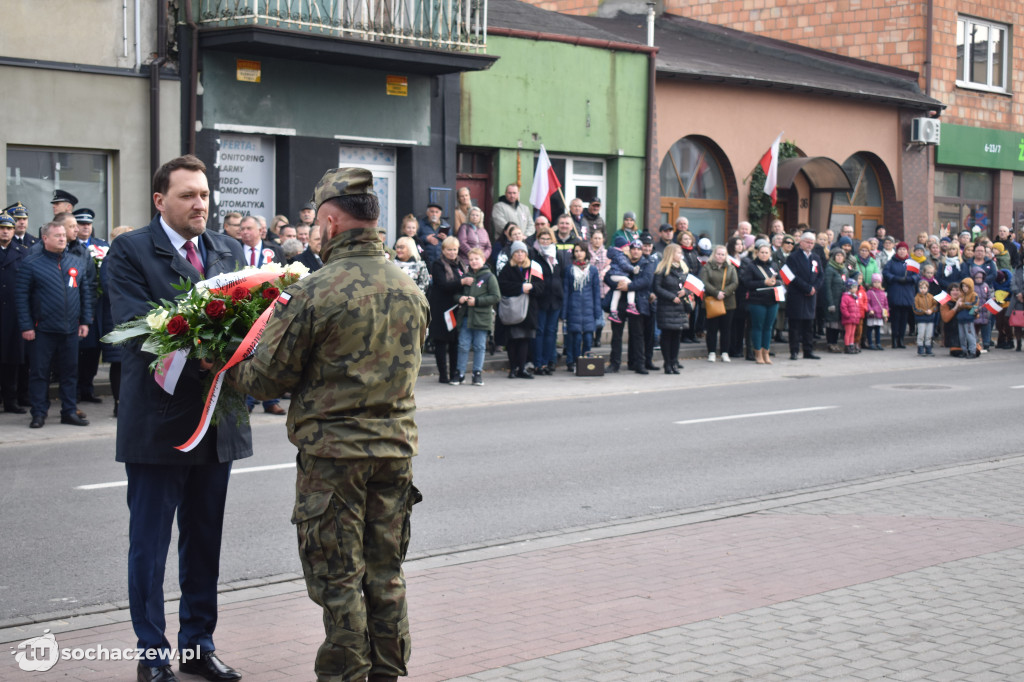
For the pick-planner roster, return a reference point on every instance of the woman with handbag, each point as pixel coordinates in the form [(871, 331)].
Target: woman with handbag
[(518, 308), (674, 304), (720, 283)]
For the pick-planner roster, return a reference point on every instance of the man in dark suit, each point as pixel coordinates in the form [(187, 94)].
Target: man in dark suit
[(143, 266), (256, 251), (310, 257), (12, 345), (808, 274)]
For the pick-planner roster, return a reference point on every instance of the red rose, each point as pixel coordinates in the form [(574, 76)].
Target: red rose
[(216, 309), (177, 326), (271, 293), (240, 294)]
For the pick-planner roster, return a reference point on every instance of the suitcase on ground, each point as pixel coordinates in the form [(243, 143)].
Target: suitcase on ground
[(589, 367)]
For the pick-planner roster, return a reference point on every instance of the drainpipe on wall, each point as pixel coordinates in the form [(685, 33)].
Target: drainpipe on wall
[(193, 77), (154, 87), (652, 67)]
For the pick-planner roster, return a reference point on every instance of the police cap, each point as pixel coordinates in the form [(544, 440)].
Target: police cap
[(17, 210), (60, 195), (84, 215), (6, 220)]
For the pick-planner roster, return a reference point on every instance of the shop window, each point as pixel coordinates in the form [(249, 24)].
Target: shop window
[(33, 174), (692, 185), (982, 54), (963, 199), (861, 206)]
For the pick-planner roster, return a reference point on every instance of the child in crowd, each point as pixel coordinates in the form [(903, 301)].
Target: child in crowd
[(967, 312), (878, 312), (862, 301), (851, 313), (950, 331), (925, 310), (983, 321), (475, 315), (621, 270)]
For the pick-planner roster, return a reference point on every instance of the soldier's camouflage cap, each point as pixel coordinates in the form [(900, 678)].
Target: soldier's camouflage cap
[(340, 182)]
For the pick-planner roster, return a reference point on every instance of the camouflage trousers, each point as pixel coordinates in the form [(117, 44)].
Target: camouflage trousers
[(352, 518)]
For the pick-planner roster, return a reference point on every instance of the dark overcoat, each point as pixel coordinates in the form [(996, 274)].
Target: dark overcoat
[(12, 346), (143, 266), (808, 277)]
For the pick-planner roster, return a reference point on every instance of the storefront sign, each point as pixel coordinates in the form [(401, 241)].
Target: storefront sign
[(398, 85), (981, 148), (247, 70), (246, 165)]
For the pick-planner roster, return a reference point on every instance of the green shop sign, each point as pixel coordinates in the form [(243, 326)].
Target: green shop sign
[(981, 147)]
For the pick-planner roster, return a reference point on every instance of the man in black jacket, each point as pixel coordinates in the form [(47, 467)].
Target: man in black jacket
[(55, 294), (805, 273)]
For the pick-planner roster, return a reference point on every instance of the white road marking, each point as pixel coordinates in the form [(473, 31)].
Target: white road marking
[(757, 414), (1021, 386), (234, 472)]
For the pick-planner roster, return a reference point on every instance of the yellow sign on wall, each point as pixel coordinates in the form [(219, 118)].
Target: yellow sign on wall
[(398, 85), (247, 70)]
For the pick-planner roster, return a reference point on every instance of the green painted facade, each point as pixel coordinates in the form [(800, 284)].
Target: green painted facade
[(981, 147), (576, 101)]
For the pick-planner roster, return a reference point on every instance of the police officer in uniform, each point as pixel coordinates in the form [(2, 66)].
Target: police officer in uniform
[(88, 347), (345, 341), (18, 211), (12, 345), (63, 202)]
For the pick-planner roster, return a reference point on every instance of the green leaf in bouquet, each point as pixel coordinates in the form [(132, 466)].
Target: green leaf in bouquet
[(127, 331)]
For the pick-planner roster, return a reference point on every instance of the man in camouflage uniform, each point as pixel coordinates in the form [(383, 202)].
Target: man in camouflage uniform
[(345, 341)]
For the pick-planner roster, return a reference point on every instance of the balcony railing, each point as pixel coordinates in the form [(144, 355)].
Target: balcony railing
[(442, 24)]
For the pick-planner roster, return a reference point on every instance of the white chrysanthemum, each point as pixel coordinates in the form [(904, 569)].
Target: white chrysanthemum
[(272, 267), (297, 269), (157, 320)]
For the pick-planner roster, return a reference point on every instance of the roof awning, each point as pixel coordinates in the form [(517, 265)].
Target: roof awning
[(823, 174)]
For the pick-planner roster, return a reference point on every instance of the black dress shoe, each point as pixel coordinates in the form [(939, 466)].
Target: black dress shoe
[(794, 356), (523, 374), (651, 366), (90, 399), (37, 422), (613, 369), (157, 673), (511, 374), (210, 667), (571, 368), (14, 409), (73, 419), (811, 356), (641, 371)]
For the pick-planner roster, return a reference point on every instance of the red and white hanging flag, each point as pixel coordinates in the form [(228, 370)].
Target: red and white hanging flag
[(449, 318), (787, 274), (942, 298), (770, 166), (545, 184), (913, 266), (780, 294), (694, 284), (536, 270), (992, 305)]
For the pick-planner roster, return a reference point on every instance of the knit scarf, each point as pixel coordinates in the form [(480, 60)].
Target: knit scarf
[(580, 276)]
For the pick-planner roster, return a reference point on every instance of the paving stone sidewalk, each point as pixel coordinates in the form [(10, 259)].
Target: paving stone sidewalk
[(913, 577)]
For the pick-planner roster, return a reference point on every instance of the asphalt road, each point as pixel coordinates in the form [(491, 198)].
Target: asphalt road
[(518, 458)]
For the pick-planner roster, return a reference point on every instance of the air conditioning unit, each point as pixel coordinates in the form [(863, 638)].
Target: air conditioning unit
[(925, 130)]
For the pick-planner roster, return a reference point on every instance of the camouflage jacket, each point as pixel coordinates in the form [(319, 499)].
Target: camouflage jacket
[(346, 344)]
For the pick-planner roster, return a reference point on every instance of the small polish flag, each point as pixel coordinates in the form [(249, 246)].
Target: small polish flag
[(283, 298), (942, 298), (787, 274), (780, 294), (694, 284), (449, 318), (536, 270), (770, 166), (913, 266), (734, 260), (992, 305)]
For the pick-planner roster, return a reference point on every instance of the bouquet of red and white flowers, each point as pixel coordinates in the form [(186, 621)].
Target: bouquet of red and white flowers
[(217, 320)]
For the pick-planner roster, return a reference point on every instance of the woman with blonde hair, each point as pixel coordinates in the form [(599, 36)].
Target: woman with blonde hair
[(674, 304), (446, 280), (720, 283), (407, 257), (473, 235)]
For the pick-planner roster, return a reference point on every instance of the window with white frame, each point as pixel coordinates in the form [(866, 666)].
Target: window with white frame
[(582, 177), (982, 54)]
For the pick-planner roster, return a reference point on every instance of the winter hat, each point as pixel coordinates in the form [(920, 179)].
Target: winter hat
[(517, 246), (904, 245), (629, 215), (761, 242), (748, 241), (646, 238), (636, 244), (865, 245), (920, 247), (851, 282), (876, 277), (999, 248), (620, 241), (845, 241), (704, 244)]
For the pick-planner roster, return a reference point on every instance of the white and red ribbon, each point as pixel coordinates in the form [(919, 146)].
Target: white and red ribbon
[(73, 277), (171, 366)]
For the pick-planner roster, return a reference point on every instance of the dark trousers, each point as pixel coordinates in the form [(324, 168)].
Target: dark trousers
[(801, 333), (718, 330), (670, 346), (62, 349), (649, 333), (635, 349), (9, 384), (899, 315), (115, 380), (738, 330), (518, 352), (88, 365), (446, 353), (155, 493), (23, 374)]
